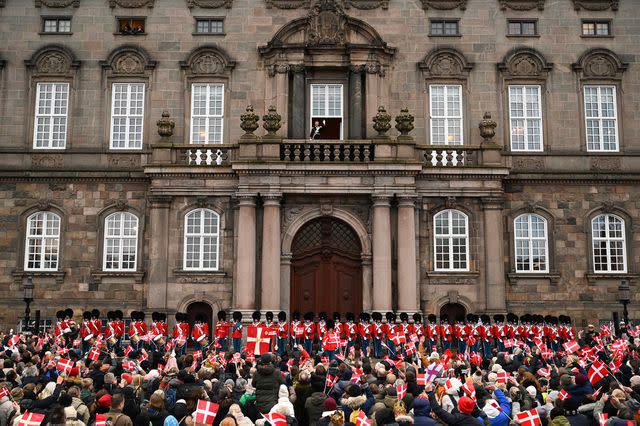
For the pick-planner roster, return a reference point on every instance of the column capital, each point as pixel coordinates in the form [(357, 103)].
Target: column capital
[(381, 200), (492, 203), (357, 69), (407, 200), (246, 198), (272, 199), (160, 201), (297, 68)]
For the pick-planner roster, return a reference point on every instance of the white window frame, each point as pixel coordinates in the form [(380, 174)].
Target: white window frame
[(46, 324), (526, 118), (318, 89), (529, 243), (43, 240), (48, 114), (200, 237), (129, 142), (449, 236), (214, 93), (600, 119), (447, 117), (121, 241), (608, 242)]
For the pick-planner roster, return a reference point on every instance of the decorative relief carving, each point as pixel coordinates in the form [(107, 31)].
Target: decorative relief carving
[(445, 62), (46, 160), (53, 60), (128, 63), (57, 3), (529, 207), (327, 23), (119, 205), (209, 4), (131, 3), (44, 204), (525, 62), (522, 4), (605, 164), (600, 63), (129, 60), (366, 4), (278, 69), (128, 161), (596, 4), (209, 60), (289, 214), (444, 4), (287, 4), (535, 164)]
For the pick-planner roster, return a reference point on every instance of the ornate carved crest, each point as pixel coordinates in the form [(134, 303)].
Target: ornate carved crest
[(131, 3), (44, 204), (445, 62), (444, 4), (208, 60), (57, 3), (608, 207), (605, 164), (450, 202), (46, 160), (326, 24), (529, 207), (129, 60), (54, 60), (366, 4), (209, 4), (522, 4), (599, 64), (287, 4), (596, 4), (525, 62), (129, 63), (120, 205)]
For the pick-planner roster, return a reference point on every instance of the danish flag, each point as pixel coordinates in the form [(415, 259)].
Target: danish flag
[(276, 419), (538, 342), (128, 350), (362, 419), (602, 419), (206, 412), (197, 355), (528, 418), (398, 338), (544, 372), (3, 392), (14, 341), (597, 372), (503, 377), (469, 389), (563, 394), (411, 349), (547, 353), (64, 365), (446, 356), (330, 381), (94, 354), (401, 390), (571, 346), (129, 365), (101, 419), (31, 419)]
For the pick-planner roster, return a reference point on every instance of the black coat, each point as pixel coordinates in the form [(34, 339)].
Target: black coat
[(267, 381), (452, 419)]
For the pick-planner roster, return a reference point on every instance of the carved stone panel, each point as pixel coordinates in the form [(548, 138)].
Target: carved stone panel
[(446, 63), (129, 60), (366, 4), (444, 4), (53, 60), (326, 24), (46, 161), (525, 62), (208, 60), (131, 3), (522, 4), (128, 63), (605, 164), (209, 4), (57, 3), (600, 64), (287, 4), (596, 4)]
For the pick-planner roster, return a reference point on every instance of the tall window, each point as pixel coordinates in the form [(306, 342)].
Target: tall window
[(207, 113), (531, 243), (127, 115), (451, 241), (120, 242), (201, 237), (327, 108), (43, 242), (608, 239), (52, 103), (601, 118), (446, 114), (525, 113)]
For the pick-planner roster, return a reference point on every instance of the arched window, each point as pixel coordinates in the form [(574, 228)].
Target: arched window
[(608, 242), (451, 239), (43, 242), (201, 239), (531, 245), (120, 242)]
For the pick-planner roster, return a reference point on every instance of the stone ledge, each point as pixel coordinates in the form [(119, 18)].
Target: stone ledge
[(515, 277), (452, 278), (19, 275), (97, 276), (593, 278), (198, 277)]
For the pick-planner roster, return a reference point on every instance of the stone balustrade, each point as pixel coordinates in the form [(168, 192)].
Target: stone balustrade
[(204, 155), (450, 156), (327, 151)]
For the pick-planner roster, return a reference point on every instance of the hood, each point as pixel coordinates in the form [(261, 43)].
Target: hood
[(266, 370), (560, 421), (421, 407), (491, 409), (283, 392), (354, 402)]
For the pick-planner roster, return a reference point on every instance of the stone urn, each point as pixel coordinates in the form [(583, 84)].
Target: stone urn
[(271, 121), (249, 122), (487, 127), (404, 122), (382, 122), (166, 125)]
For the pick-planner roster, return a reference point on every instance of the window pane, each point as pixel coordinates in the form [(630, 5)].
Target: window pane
[(601, 118), (608, 243), (64, 26), (446, 115), (451, 240), (50, 127), (528, 28), (201, 240), (42, 241), (525, 118), (207, 113), (515, 28), (127, 115)]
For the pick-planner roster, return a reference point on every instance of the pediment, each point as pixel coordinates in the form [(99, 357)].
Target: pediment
[(596, 4), (209, 4), (443, 4), (57, 3), (522, 4)]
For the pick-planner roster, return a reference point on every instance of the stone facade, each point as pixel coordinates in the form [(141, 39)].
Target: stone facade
[(266, 185)]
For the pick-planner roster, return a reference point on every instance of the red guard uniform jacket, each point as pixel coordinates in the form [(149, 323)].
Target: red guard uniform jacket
[(309, 330), (222, 329), (282, 330), (85, 330)]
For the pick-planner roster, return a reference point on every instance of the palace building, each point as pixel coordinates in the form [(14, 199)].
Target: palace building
[(434, 156)]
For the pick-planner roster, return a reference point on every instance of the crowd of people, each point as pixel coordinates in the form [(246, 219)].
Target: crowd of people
[(527, 370)]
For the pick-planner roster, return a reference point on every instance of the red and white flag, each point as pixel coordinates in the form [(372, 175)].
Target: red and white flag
[(401, 391), (276, 419), (3, 392), (547, 353), (410, 350), (571, 346), (538, 342), (503, 377), (544, 372), (128, 350), (30, 419), (197, 355), (597, 372), (602, 419), (563, 394), (206, 412), (14, 340), (101, 419), (469, 389), (330, 381), (64, 365), (422, 379), (129, 365), (362, 419), (528, 418), (94, 354)]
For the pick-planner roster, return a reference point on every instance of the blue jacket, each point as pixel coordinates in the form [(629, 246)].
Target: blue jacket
[(421, 413), (499, 417)]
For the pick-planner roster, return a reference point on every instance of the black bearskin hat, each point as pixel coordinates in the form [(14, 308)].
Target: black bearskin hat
[(237, 316), (119, 314), (95, 314), (417, 318), (68, 313), (222, 315), (350, 316), (377, 316), (269, 316), (86, 315), (282, 316), (322, 315), (256, 315), (330, 324), (432, 318), (296, 315), (404, 316), (308, 316)]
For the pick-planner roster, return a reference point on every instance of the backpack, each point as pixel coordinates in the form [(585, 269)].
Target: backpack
[(170, 397)]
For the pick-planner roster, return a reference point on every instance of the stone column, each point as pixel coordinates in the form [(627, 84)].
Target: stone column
[(367, 279), (285, 281), (297, 118), (245, 285), (381, 253), (158, 251), (493, 254), (373, 97), (270, 290), (356, 107), (407, 282)]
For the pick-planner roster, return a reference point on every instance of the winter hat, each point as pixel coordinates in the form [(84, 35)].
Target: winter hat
[(492, 377), (105, 401), (354, 390), (317, 382), (283, 392), (330, 404), (74, 372), (496, 368), (127, 378), (531, 390), (434, 356), (634, 381), (265, 359), (170, 421), (552, 396), (466, 405)]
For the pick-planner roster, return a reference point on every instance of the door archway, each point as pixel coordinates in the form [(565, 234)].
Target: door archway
[(326, 268), (453, 311), (200, 308)]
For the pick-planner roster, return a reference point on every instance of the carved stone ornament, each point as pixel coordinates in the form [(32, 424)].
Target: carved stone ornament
[(487, 127), (131, 3), (596, 4), (278, 69), (44, 204), (209, 4), (326, 24), (287, 4), (600, 64), (57, 3), (208, 60), (46, 161), (404, 122), (53, 60), (525, 62), (608, 207), (249, 121), (129, 60), (603, 164), (366, 4), (271, 121), (522, 4), (120, 205), (129, 63), (444, 4), (445, 62), (529, 207), (166, 125), (382, 122)]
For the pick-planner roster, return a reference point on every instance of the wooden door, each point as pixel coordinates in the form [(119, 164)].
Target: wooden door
[(453, 311)]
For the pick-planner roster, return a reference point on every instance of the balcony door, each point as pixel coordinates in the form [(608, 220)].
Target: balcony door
[(327, 111)]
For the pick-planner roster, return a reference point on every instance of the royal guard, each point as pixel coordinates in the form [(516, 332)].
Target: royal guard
[(388, 329), (364, 332), (110, 330), (496, 332), (282, 333), (338, 326), (222, 332), (512, 322), (536, 327), (270, 329), (309, 332), (70, 327), (484, 336), (469, 332), (330, 340), (236, 331), (200, 333), (550, 331), (431, 333), (321, 328), (181, 333), (377, 334), (119, 325), (458, 334), (403, 328), (445, 331), (350, 330), (96, 323), (137, 329), (417, 327), (85, 332), (296, 329), (159, 330), (58, 331)]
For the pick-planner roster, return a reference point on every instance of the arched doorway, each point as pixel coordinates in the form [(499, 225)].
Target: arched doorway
[(200, 308), (453, 311), (326, 268)]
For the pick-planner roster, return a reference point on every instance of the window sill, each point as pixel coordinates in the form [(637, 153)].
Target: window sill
[(453, 277), (593, 278), (523, 35), (595, 36), (445, 35), (97, 276), (19, 275), (198, 277), (130, 35), (516, 277), (54, 33), (208, 34)]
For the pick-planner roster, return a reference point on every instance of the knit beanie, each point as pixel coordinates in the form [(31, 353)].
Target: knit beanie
[(466, 405)]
